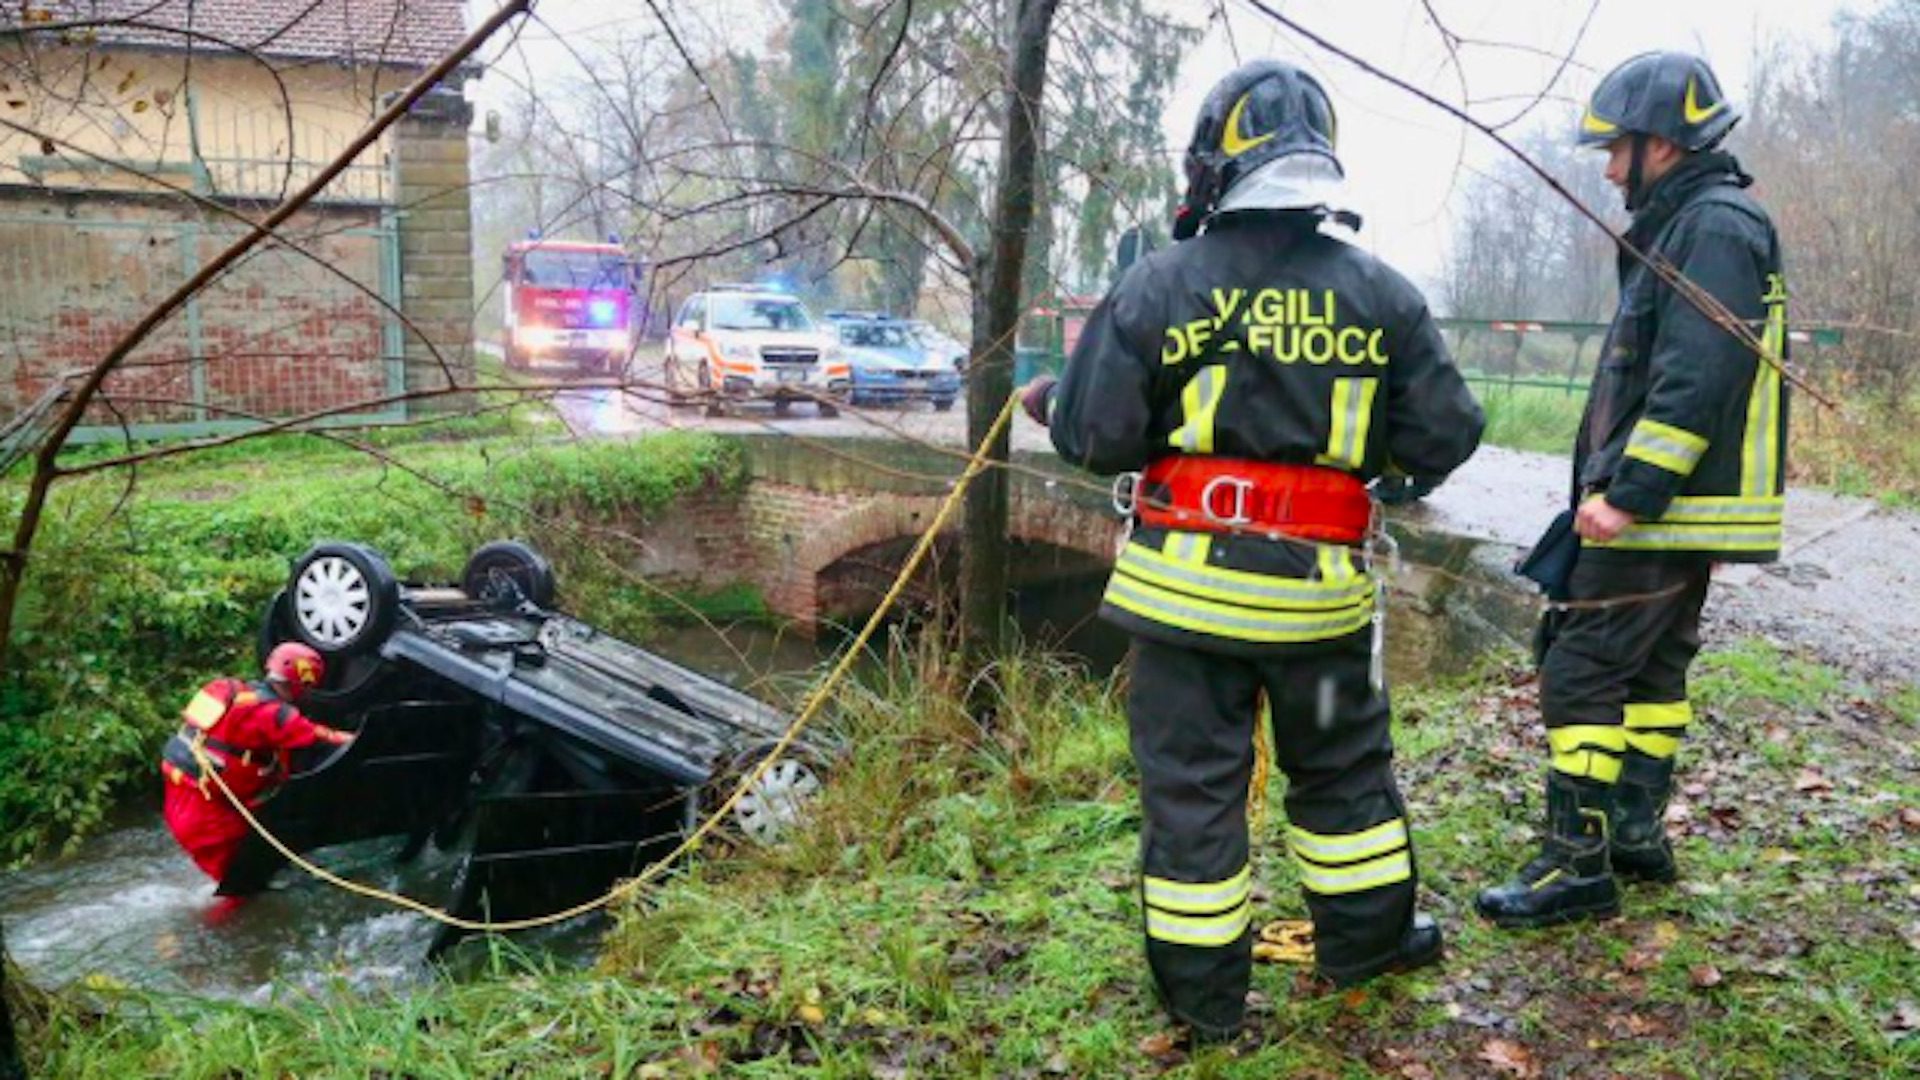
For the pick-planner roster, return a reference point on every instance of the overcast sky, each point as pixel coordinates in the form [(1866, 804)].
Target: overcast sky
[(1399, 152)]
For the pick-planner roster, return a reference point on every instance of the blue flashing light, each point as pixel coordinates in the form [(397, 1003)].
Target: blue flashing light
[(603, 312)]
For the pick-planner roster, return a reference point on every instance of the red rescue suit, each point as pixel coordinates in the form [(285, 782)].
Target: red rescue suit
[(244, 730)]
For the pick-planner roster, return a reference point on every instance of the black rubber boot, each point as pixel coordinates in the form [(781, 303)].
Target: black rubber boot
[(1640, 851), (1570, 879), (1421, 945)]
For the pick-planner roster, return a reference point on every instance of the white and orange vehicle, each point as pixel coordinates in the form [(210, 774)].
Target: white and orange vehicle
[(570, 304), (754, 343)]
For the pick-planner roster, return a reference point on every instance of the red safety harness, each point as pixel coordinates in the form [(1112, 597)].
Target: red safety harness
[(1200, 493)]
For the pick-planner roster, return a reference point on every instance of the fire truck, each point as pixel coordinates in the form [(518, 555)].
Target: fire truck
[(571, 304)]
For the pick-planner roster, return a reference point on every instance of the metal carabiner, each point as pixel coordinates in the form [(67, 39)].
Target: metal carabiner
[(1126, 492)]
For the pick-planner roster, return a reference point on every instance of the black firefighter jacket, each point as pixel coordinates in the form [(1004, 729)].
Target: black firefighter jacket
[(1686, 427), (1261, 338)]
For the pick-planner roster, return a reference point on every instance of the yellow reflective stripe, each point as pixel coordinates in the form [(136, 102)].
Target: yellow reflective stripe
[(1352, 418), (1190, 613), (1588, 763), (1335, 564), (1350, 847), (1760, 453), (1199, 401), (1198, 897), (1588, 750), (1655, 536), (1208, 931), (1372, 874), (1189, 547), (1724, 510), (1674, 449), (1653, 744), (204, 710), (1149, 567), (1671, 714)]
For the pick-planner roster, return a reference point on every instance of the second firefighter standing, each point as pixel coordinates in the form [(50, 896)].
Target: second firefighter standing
[(1256, 376)]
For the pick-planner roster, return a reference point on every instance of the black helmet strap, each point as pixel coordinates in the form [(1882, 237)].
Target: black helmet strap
[(1635, 167)]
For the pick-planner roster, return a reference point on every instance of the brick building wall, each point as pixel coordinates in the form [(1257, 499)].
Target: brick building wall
[(278, 334)]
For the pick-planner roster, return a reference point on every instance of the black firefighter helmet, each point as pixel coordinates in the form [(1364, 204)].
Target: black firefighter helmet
[(1669, 94), (1262, 111)]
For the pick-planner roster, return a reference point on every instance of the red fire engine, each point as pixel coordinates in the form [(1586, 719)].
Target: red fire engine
[(570, 303)]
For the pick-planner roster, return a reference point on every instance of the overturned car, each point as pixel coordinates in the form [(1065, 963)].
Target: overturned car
[(556, 757)]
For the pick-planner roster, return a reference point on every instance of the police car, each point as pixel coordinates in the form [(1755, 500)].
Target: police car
[(891, 365)]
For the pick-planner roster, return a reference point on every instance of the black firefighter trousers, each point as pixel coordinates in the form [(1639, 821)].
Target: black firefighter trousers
[(1191, 716), (1613, 683)]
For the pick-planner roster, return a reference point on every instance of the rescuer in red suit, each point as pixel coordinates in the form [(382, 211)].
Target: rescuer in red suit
[(244, 730)]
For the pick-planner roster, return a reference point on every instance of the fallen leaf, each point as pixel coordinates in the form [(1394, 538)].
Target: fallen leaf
[(1910, 818), (1812, 781), (1642, 959), (1159, 1046), (811, 1015), (162, 96), (1354, 998), (1665, 933), (1705, 976), (140, 106), (1510, 1058)]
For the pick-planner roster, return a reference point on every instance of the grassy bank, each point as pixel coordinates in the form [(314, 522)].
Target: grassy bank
[(144, 582), (962, 905)]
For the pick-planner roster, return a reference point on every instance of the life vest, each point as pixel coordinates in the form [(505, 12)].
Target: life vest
[(209, 726)]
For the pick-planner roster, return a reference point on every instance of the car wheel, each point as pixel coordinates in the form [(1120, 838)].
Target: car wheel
[(500, 573), (343, 598), (673, 381), (829, 409), (778, 801), (942, 404), (782, 406)]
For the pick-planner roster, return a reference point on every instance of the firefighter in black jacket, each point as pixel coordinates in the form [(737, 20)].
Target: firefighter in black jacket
[(1257, 375), (1680, 462)]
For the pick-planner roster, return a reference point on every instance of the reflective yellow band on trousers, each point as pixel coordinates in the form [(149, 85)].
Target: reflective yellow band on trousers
[(1349, 847), (1206, 931), (1197, 897), (1676, 450), (1368, 874), (1589, 750), (1655, 729)]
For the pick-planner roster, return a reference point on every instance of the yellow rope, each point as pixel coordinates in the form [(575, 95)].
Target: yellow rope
[(975, 465), (1262, 768)]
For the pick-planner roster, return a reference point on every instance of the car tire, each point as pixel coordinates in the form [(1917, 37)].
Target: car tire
[(782, 406), (829, 409), (498, 572), (944, 404), (769, 809), (343, 598), (672, 381)]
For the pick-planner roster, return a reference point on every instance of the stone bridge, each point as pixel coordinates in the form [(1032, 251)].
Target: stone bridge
[(822, 527)]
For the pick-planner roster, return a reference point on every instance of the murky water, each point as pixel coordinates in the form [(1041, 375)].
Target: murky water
[(129, 908)]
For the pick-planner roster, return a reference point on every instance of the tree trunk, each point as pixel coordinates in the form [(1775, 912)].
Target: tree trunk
[(10, 1066), (996, 318)]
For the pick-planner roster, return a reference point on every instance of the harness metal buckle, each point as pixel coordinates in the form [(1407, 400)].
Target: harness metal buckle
[(1126, 493), (1239, 486)]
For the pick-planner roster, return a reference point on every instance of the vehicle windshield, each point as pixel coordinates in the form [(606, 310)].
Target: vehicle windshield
[(551, 269), (873, 335), (759, 313)]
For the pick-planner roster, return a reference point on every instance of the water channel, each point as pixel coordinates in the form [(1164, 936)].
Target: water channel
[(127, 908)]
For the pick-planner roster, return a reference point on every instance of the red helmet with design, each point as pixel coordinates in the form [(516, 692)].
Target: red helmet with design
[(296, 667)]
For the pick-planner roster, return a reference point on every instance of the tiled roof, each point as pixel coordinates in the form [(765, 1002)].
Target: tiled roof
[(412, 33)]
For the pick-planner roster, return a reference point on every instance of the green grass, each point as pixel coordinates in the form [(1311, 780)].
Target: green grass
[(1530, 417), (962, 905)]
